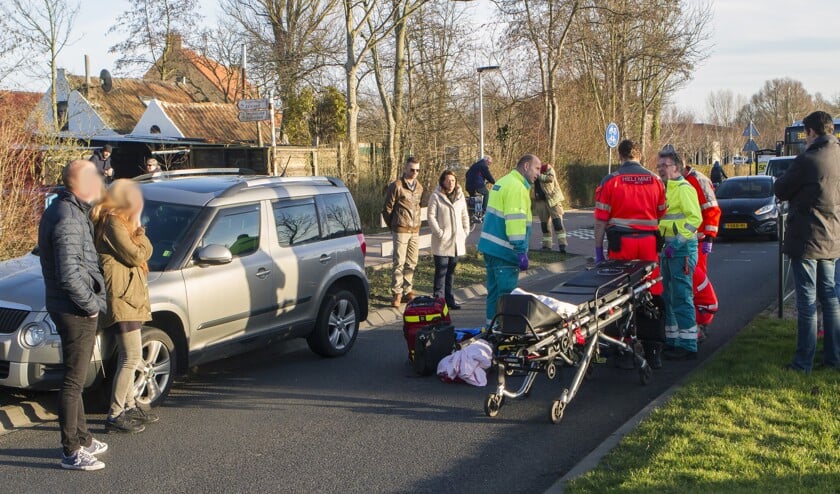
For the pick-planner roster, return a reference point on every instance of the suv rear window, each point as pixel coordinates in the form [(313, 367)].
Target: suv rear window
[(297, 222), (338, 216)]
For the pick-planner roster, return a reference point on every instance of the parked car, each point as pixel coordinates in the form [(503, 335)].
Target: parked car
[(748, 207), (239, 262), (777, 166)]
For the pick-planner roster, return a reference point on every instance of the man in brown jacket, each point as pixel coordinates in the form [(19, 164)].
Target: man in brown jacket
[(402, 215)]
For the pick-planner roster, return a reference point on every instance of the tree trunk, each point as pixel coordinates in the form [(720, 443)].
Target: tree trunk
[(394, 142), (352, 168)]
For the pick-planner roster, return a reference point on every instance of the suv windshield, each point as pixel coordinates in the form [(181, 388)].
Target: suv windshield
[(166, 225), (777, 168), (745, 189)]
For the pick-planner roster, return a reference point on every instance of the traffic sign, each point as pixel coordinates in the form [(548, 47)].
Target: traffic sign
[(254, 115), (750, 146), (252, 104), (750, 131), (612, 135)]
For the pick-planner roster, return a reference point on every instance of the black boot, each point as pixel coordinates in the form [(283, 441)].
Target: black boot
[(653, 354)]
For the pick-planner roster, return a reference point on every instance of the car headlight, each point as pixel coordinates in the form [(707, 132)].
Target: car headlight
[(765, 209), (34, 334)]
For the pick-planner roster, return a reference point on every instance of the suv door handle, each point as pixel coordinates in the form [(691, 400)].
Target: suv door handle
[(263, 273), (325, 258)]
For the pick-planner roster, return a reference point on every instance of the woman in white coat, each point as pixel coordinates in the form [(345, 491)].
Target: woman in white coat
[(450, 223)]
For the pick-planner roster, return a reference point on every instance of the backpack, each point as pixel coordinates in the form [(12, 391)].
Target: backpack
[(432, 344), (418, 314)]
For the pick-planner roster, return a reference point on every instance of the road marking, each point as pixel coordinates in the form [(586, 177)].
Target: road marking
[(737, 260), (582, 233)]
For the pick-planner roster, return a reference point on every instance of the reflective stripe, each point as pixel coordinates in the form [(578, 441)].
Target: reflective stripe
[(494, 212), (691, 228), (702, 286), (710, 228), (708, 205), (516, 216), (688, 334), (674, 216), (671, 331), (516, 238), (602, 206), (632, 222), (663, 207), (427, 317), (496, 240)]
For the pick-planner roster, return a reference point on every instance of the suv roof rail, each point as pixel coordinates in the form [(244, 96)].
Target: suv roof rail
[(280, 181), (194, 172)]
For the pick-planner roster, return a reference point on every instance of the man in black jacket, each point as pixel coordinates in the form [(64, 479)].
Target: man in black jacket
[(812, 239), (75, 292), (102, 159)]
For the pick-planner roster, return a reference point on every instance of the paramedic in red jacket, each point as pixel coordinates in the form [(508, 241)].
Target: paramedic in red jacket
[(705, 298), (628, 206)]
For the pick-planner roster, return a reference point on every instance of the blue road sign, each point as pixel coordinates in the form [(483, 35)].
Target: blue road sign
[(612, 135), (750, 146)]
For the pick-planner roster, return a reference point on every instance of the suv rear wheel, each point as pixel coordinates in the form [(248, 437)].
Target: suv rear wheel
[(156, 373), (337, 326)]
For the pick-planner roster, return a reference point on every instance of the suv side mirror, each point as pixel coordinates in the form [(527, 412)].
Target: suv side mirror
[(214, 254)]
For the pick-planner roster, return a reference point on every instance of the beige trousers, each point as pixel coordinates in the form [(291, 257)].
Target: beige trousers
[(406, 251), (130, 355)]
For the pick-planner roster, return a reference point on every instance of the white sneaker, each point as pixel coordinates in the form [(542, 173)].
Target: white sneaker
[(96, 447), (81, 460)]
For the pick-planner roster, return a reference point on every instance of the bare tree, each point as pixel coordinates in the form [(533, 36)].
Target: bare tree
[(220, 52), (776, 105), (544, 25), (290, 40), (722, 109), (46, 26), (150, 27)]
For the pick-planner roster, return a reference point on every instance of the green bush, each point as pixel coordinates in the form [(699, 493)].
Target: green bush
[(580, 181)]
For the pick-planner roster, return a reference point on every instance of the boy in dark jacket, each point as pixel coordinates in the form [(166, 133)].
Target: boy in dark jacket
[(812, 238), (75, 293)]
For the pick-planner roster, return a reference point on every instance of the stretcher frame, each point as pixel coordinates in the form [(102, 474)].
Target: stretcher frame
[(541, 351)]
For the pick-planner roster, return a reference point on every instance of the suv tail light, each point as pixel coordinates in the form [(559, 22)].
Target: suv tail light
[(362, 243)]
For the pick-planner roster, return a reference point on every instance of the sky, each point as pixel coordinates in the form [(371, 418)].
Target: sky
[(752, 41)]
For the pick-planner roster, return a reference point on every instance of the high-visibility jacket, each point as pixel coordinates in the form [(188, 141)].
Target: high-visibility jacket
[(709, 208), (683, 217), (507, 220), (631, 198)]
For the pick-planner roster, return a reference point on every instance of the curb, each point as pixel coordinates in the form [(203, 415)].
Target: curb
[(22, 415), (593, 459), (390, 315)]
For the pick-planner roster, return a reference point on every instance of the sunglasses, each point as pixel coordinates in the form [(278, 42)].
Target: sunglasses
[(415, 170)]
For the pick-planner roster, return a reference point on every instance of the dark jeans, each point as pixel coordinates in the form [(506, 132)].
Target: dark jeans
[(482, 192), (78, 335), (814, 280), (444, 276)]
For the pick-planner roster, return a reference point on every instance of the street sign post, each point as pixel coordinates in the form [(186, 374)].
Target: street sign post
[(254, 115), (253, 104), (612, 135), (751, 147)]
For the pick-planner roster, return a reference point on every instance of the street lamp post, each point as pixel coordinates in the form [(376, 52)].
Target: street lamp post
[(481, 108)]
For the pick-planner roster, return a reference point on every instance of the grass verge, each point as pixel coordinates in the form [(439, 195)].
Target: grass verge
[(470, 271), (740, 424)]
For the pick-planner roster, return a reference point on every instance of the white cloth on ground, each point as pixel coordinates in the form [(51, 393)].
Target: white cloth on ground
[(558, 306), (468, 364)]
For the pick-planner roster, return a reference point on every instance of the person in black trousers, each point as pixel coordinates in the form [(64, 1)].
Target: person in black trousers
[(75, 293)]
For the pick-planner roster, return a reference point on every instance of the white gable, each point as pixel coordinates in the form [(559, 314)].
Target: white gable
[(155, 117), (83, 121)]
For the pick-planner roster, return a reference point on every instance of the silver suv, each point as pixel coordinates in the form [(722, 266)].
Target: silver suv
[(239, 262)]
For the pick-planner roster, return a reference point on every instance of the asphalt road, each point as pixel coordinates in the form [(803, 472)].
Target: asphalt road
[(283, 420)]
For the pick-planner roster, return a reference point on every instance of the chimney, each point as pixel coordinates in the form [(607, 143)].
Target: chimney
[(87, 72), (175, 41)]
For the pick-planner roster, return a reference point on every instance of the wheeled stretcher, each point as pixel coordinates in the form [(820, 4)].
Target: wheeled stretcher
[(536, 334)]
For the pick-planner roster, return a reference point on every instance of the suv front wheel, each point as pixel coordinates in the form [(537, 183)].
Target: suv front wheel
[(155, 375), (337, 325)]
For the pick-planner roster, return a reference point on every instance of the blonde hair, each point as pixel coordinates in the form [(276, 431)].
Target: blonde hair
[(116, 203)]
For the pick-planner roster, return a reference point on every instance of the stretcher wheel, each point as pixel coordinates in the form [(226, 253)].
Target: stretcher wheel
[(550, 371), (645, 373), (493, 404), (557, 409)]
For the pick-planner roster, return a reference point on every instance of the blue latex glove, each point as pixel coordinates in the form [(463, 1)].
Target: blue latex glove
[(668, 251), (599, 255), (706, 246), (523, 262)]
